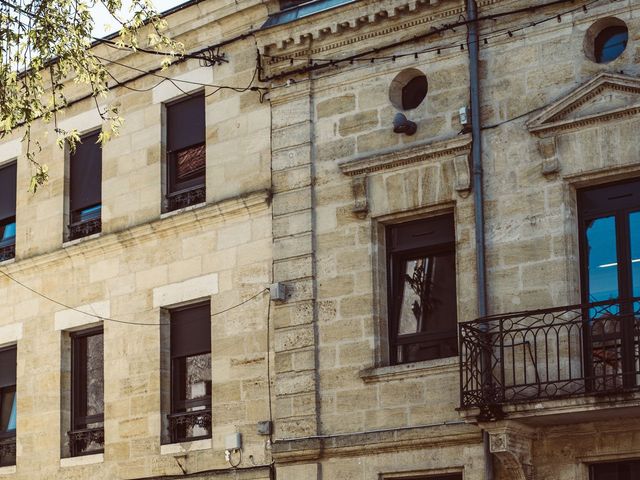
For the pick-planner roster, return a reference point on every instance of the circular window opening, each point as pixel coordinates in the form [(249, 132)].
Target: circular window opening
[(606, 39), (408, 89)]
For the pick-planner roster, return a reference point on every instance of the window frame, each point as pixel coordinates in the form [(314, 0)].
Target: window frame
[(593, 466), (7, 247), (86, 220), (178, 407), (79, 378), (8, 437), (397, 256), (192, 190)]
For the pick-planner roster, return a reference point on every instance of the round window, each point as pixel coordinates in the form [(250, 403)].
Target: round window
[(408, 89), (606, 39)]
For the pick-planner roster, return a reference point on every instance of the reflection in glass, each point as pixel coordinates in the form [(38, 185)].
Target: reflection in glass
[(8, 409), (95, 376), (428, 306), (634, 230), (603, 260), (7, 232), (610, 43)]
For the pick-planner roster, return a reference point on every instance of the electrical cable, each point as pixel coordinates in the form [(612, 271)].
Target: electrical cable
[(369, 58), (107, 319)]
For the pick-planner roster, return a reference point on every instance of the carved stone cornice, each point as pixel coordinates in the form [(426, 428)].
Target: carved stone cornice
[(572, 111), (407, 156), (360, 168)]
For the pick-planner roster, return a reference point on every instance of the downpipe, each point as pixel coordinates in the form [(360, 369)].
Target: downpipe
[(473, 46)]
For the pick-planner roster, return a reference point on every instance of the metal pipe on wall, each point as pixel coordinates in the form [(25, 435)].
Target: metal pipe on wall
[(473, 45)]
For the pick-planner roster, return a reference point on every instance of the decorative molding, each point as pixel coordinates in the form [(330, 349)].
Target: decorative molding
[(557, 117), (360, 168), (548, 151), (112, 242), (407, 156), (511, 444)]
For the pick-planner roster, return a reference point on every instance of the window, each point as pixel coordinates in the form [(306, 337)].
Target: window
[(87, 392), (7, 211), (610, 43), (190, 340), (610, 255), (85, 199), (422, 290), (186, 153), (8, 406), (629, 470)]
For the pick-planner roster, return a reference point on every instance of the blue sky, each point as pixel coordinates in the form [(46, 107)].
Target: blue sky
[(106, 24)]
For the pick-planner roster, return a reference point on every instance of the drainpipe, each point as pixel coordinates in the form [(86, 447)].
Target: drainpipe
[(476, 156)]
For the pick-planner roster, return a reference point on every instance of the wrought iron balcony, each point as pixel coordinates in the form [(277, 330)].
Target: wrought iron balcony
[(85, 228), (7, 449), (86, 441), (186, 198), (187, 426), (7, 252), (576, 350)]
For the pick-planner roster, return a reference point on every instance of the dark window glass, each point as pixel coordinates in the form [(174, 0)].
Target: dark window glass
[(7, 211), (422, 279), (414, 91), (610, 43), (610, 253), (87, 393), (190, 416), (8, 406), (85, 197), (186, 150), (629, 470)]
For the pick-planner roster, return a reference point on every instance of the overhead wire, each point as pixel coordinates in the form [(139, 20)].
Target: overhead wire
[(108, 319)]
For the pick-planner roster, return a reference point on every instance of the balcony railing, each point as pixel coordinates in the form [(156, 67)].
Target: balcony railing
[(7, 449), (86, 441), (546, 354), (7, 251), (188, 426), (85, 228), (186, 198)]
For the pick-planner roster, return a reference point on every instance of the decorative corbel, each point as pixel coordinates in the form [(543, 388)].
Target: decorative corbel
[(360, 201), (513, 449), (463, 174), (548, 151)]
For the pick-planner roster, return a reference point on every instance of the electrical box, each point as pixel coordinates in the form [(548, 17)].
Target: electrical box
[(264, 427), (278, 292), (464, 115), (233, 441)]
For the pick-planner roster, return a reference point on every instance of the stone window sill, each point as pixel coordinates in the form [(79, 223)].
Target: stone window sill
[(71, 243), (410, 370), (8, 470), (184, 447), (82, 460), (183, 210)]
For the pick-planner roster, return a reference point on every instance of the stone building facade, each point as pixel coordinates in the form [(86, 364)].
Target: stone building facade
[(367, 359)]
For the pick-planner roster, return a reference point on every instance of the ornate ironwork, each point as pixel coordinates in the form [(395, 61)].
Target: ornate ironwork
[(8, 451), (186, 198), (551, 353), (86, 441), (181, 424), (7, 252), (84, 229)]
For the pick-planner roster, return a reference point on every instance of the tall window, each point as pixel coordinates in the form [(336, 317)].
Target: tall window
[(7, 211), (87, 393), (422, 290), (8, 406), (190, 339), (186, 153), (610, 254), (629, 470), (85, 199)]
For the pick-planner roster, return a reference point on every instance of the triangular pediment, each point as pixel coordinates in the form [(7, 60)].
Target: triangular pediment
[(607, 96)]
